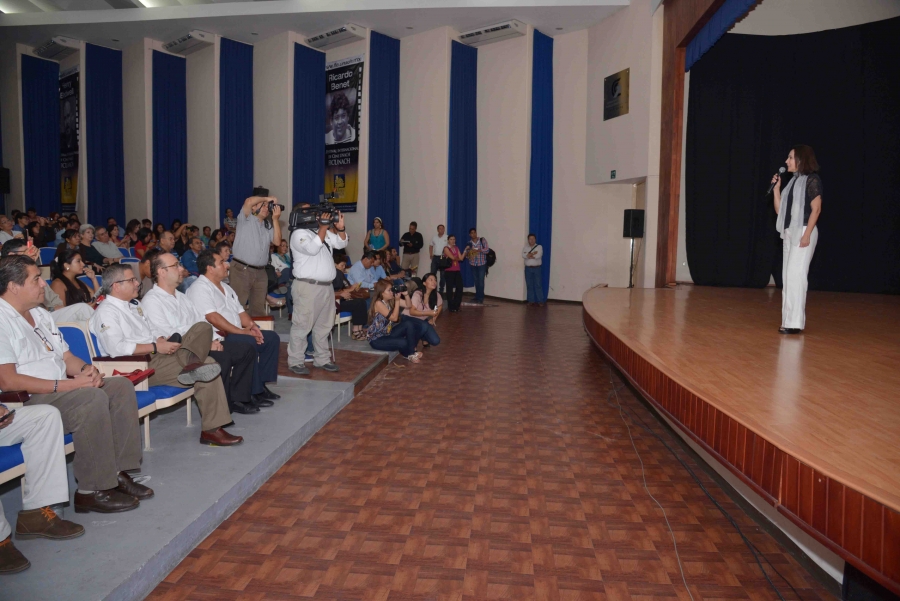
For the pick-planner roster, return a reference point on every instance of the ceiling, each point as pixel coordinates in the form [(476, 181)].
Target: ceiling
[(96, 22), (788, 17)]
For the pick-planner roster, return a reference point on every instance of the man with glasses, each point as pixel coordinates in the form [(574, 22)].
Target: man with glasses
[(100, 412), (169, 310), (104, 245), (122, 329)]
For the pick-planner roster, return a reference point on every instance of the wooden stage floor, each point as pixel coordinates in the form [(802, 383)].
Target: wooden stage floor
[(827, 400)]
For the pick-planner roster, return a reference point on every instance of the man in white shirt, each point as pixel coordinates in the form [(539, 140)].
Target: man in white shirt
[(436, 251), (122, 329), (313, 292), (104, 245), (219, 304), (534, 280), (169, 310), (100, 412)]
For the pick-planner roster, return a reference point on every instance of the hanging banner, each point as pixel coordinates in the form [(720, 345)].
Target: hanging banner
[(69, 135), (343, 100)]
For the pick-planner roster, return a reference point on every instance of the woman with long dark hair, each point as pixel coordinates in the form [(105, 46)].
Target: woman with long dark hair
[(798, 208), (65, 269), (131, 233), (453, 275), (424, 308), (385, 331)]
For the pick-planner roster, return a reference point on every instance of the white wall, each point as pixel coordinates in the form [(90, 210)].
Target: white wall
[(203, 136), (786, 17), (137, 128), (424, 131), (616, 43), (11, 115)]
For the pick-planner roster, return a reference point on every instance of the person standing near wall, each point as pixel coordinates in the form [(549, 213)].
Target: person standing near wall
[(436, 251), (534, 286), (412, 242), (476, 251), (257, 228)]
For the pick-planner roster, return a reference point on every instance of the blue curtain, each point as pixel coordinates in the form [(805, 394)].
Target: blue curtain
[(462, 169), (540, 197), (309, 125), (718, 25), (105, 163), (40, 129), (235, 125), (384, 132), (169, 138)]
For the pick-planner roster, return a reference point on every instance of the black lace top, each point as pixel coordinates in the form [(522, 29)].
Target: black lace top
[(813, 189)]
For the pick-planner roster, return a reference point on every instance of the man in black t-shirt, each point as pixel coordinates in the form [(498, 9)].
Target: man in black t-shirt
[(412, 242)]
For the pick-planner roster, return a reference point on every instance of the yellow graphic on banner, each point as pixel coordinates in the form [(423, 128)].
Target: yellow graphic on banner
[(69, 191)]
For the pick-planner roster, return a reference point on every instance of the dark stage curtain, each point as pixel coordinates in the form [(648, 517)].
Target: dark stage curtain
[(40, 129), (540, 202), (309, 125), (384, 132), (235, 125), (462, 187), (169, 138), (715, 28), (105, 143), (751, 99)]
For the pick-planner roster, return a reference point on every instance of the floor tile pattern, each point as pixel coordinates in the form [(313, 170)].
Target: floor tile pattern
[(498, 468)]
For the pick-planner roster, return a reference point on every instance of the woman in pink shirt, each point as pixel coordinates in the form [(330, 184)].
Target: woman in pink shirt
[(452, 274)]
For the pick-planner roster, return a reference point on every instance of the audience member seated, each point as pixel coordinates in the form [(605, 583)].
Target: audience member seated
[(104, 245), (101, 412), (424, 308), (20, 221), (40, 431), (386, 332), (214, 239), (189, 262), (345, 300), (90, 254), (230, 222), (378, 265), (130, 239), (122, 329), (362, 272), (167, 243), (52, 303), (169, 310), (36, 233), (6, 229), (393, 265), (65, 269), (67, 225), (204, 237), (218, 302), (144, 272), (144, 242), (282, 263)]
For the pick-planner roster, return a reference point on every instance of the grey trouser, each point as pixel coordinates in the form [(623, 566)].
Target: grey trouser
[(40, 431), (210, 396), (251, 283), (313, 311), (104, 426)]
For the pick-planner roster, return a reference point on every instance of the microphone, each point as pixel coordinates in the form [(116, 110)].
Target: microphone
[(772, 186)]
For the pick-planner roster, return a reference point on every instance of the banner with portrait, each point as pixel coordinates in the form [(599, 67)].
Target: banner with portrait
[(343, 100), (69, 135)]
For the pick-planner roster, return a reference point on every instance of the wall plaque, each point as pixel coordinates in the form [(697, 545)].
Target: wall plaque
[(615, 95)]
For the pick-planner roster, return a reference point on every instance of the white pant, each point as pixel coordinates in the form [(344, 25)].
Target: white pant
[(794, 270), (72, 313), (40, 430)]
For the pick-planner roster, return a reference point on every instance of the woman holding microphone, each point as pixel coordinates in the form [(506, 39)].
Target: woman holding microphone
[(798, 208)]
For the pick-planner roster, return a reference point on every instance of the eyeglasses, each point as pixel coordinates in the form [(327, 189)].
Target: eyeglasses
[(44, 339), (177, 264), (123, 281)]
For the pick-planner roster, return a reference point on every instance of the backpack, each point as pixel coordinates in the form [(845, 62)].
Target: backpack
[(490, 258)]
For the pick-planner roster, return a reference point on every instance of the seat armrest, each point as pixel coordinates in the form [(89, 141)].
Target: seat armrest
[(126, 364), (14, 398), (266, 322), (144, 358)]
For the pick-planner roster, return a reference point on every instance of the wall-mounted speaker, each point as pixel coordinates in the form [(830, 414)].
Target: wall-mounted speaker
[(4, 180), (634, 223)]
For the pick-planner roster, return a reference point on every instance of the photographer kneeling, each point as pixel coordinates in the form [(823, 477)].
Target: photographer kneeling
[(257, 228), (386, 332)]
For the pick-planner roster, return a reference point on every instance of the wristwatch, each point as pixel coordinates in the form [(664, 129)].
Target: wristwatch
[(153, 352)]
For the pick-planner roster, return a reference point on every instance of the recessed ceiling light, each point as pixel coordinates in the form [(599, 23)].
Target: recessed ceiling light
[(409, 27), (253, 33), (115, 40), (559, 29)]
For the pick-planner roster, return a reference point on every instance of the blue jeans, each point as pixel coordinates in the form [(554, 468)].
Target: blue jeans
[(424, 330), (479, 272), (534, 284), (402, 339)]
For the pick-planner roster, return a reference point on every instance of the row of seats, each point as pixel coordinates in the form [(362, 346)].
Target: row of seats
[(48, 252)]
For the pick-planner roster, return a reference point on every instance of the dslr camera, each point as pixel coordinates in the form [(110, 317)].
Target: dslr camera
[(311, 217), (399, 286), (261, 191)]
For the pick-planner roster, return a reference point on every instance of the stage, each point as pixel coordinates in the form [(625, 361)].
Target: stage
[(810, 422)]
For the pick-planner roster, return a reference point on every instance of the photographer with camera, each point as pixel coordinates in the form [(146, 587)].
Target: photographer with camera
[(386, 331), (257, 228), (312, 245)]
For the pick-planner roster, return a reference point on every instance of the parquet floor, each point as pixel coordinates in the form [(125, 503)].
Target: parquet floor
[(499, 468)]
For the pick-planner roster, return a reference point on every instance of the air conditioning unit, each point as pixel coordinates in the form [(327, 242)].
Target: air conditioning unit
[(58, 48), (494, 33), (344, 34), (190, 43)]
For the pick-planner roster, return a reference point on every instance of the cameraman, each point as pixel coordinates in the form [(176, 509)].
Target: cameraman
[(257, 228), (312, 290)]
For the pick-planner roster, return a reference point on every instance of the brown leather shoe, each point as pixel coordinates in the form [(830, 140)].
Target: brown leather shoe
[(11, 561), (219, 438), (130, 487), (44, 523), (199, 372), (105, 501)]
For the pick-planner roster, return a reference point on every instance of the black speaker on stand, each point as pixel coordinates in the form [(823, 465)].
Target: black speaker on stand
[(4, 188), (633, 228)]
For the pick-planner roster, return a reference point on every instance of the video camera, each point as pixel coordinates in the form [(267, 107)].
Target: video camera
[(310, 217), (260, 191)]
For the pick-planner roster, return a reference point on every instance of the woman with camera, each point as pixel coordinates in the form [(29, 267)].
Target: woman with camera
[(424, 308), (386, 332), (453, 275), (349, 298)]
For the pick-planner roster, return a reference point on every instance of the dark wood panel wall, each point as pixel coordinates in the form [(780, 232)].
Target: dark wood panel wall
[(859, 529)]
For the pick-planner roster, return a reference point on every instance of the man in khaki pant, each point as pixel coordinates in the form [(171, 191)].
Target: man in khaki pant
[(122, 329), (257, 228)]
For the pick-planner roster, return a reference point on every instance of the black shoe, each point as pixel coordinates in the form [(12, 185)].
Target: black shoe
[(269, 395), (245, 408), (260, 401), (789, 330)]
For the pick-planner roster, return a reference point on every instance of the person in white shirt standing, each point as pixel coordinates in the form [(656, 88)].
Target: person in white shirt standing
[(219, 305), (534, 285), (122, 329), (313, 292), (170, 310), (436, 250)]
